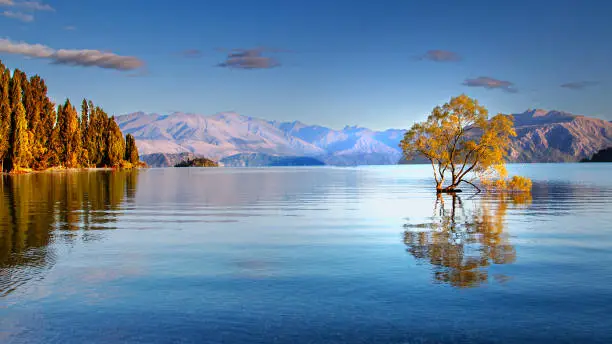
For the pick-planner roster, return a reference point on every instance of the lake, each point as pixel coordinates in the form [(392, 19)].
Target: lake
[(312, 255)]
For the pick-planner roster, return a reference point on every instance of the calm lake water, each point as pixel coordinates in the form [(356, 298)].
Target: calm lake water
[(313, 255)]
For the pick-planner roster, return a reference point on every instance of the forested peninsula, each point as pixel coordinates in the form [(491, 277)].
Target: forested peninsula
[(36, 135)]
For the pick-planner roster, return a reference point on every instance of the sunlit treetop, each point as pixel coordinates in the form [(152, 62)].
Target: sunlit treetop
[(460, 140)]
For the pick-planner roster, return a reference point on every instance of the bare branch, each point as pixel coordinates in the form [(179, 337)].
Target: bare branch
[(434, 171), (477, 188)]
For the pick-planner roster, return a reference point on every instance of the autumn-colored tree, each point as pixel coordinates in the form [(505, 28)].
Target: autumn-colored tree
[(115, 146), (35, 96), (45, 134), (84, 158), (84, 116), (69, 135), (459, 139), (5, 115), (19, 147), (20, 78), (131, 151), (33, 134), (95, 138)]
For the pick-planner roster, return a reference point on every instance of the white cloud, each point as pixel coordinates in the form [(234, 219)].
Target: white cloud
[(91, 58), (34, 6), (28, 5), (24, 17), (72, 57)]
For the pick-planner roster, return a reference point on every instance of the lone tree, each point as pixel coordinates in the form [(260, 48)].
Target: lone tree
[(460, 140)]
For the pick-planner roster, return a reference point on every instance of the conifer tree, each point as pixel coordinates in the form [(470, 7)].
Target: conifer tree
[(44, 128), (58, 144), (69, 135), (16, 78), (30, 101), (33, 100), (131, 151), (115, 146), (97, 134), (33, 134), (49, 129), (5, 116), (19, 127), (85, 149), (93, 137), (84, 116)]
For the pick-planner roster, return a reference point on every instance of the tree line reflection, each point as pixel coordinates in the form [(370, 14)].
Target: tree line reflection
[(464, 239), (38, 210)]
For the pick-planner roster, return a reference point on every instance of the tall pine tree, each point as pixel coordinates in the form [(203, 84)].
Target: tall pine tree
[(69, 135), (44, 131), (19, 126), (5, 116), (84, 116), (85, 149), (131, 151), (115, 146), (33, 99)]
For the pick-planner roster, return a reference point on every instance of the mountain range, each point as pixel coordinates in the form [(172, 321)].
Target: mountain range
[(543, 136)]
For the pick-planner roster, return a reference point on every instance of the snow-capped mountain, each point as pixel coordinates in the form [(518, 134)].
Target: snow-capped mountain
[(226, 134), (542, 136)]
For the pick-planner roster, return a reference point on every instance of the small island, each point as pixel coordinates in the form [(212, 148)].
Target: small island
[(604, 155), (197, 162)]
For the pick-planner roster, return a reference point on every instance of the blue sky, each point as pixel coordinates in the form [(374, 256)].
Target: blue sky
[(379, 64)]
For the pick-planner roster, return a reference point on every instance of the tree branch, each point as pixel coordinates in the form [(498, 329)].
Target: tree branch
[(477, 188), (434, 171)]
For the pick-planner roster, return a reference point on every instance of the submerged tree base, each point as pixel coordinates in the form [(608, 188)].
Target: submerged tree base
[(449, 191)]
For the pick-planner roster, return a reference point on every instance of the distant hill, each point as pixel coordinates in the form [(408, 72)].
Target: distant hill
[(554, 136), (166, 159), (604, 155), (257, 159), (197, 162), (543, 136)]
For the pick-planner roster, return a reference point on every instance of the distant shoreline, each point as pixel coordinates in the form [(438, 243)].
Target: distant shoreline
[(71, 169)]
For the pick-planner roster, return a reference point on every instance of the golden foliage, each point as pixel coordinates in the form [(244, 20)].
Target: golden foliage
[(514, 184), (34, 136), (459, 138)]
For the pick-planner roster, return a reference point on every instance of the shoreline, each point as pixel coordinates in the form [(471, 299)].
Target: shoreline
[(71, 169)]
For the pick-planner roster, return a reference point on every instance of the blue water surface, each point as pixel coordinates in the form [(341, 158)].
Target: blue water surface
[(309, 255)]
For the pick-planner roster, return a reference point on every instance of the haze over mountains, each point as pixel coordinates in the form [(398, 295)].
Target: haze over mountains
[(543, 136)]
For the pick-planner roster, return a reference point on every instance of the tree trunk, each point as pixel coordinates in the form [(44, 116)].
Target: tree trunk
[(449, 189), (439, 187)]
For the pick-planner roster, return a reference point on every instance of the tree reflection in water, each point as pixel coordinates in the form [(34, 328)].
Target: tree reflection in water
[(464, 239), (42, 209)]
